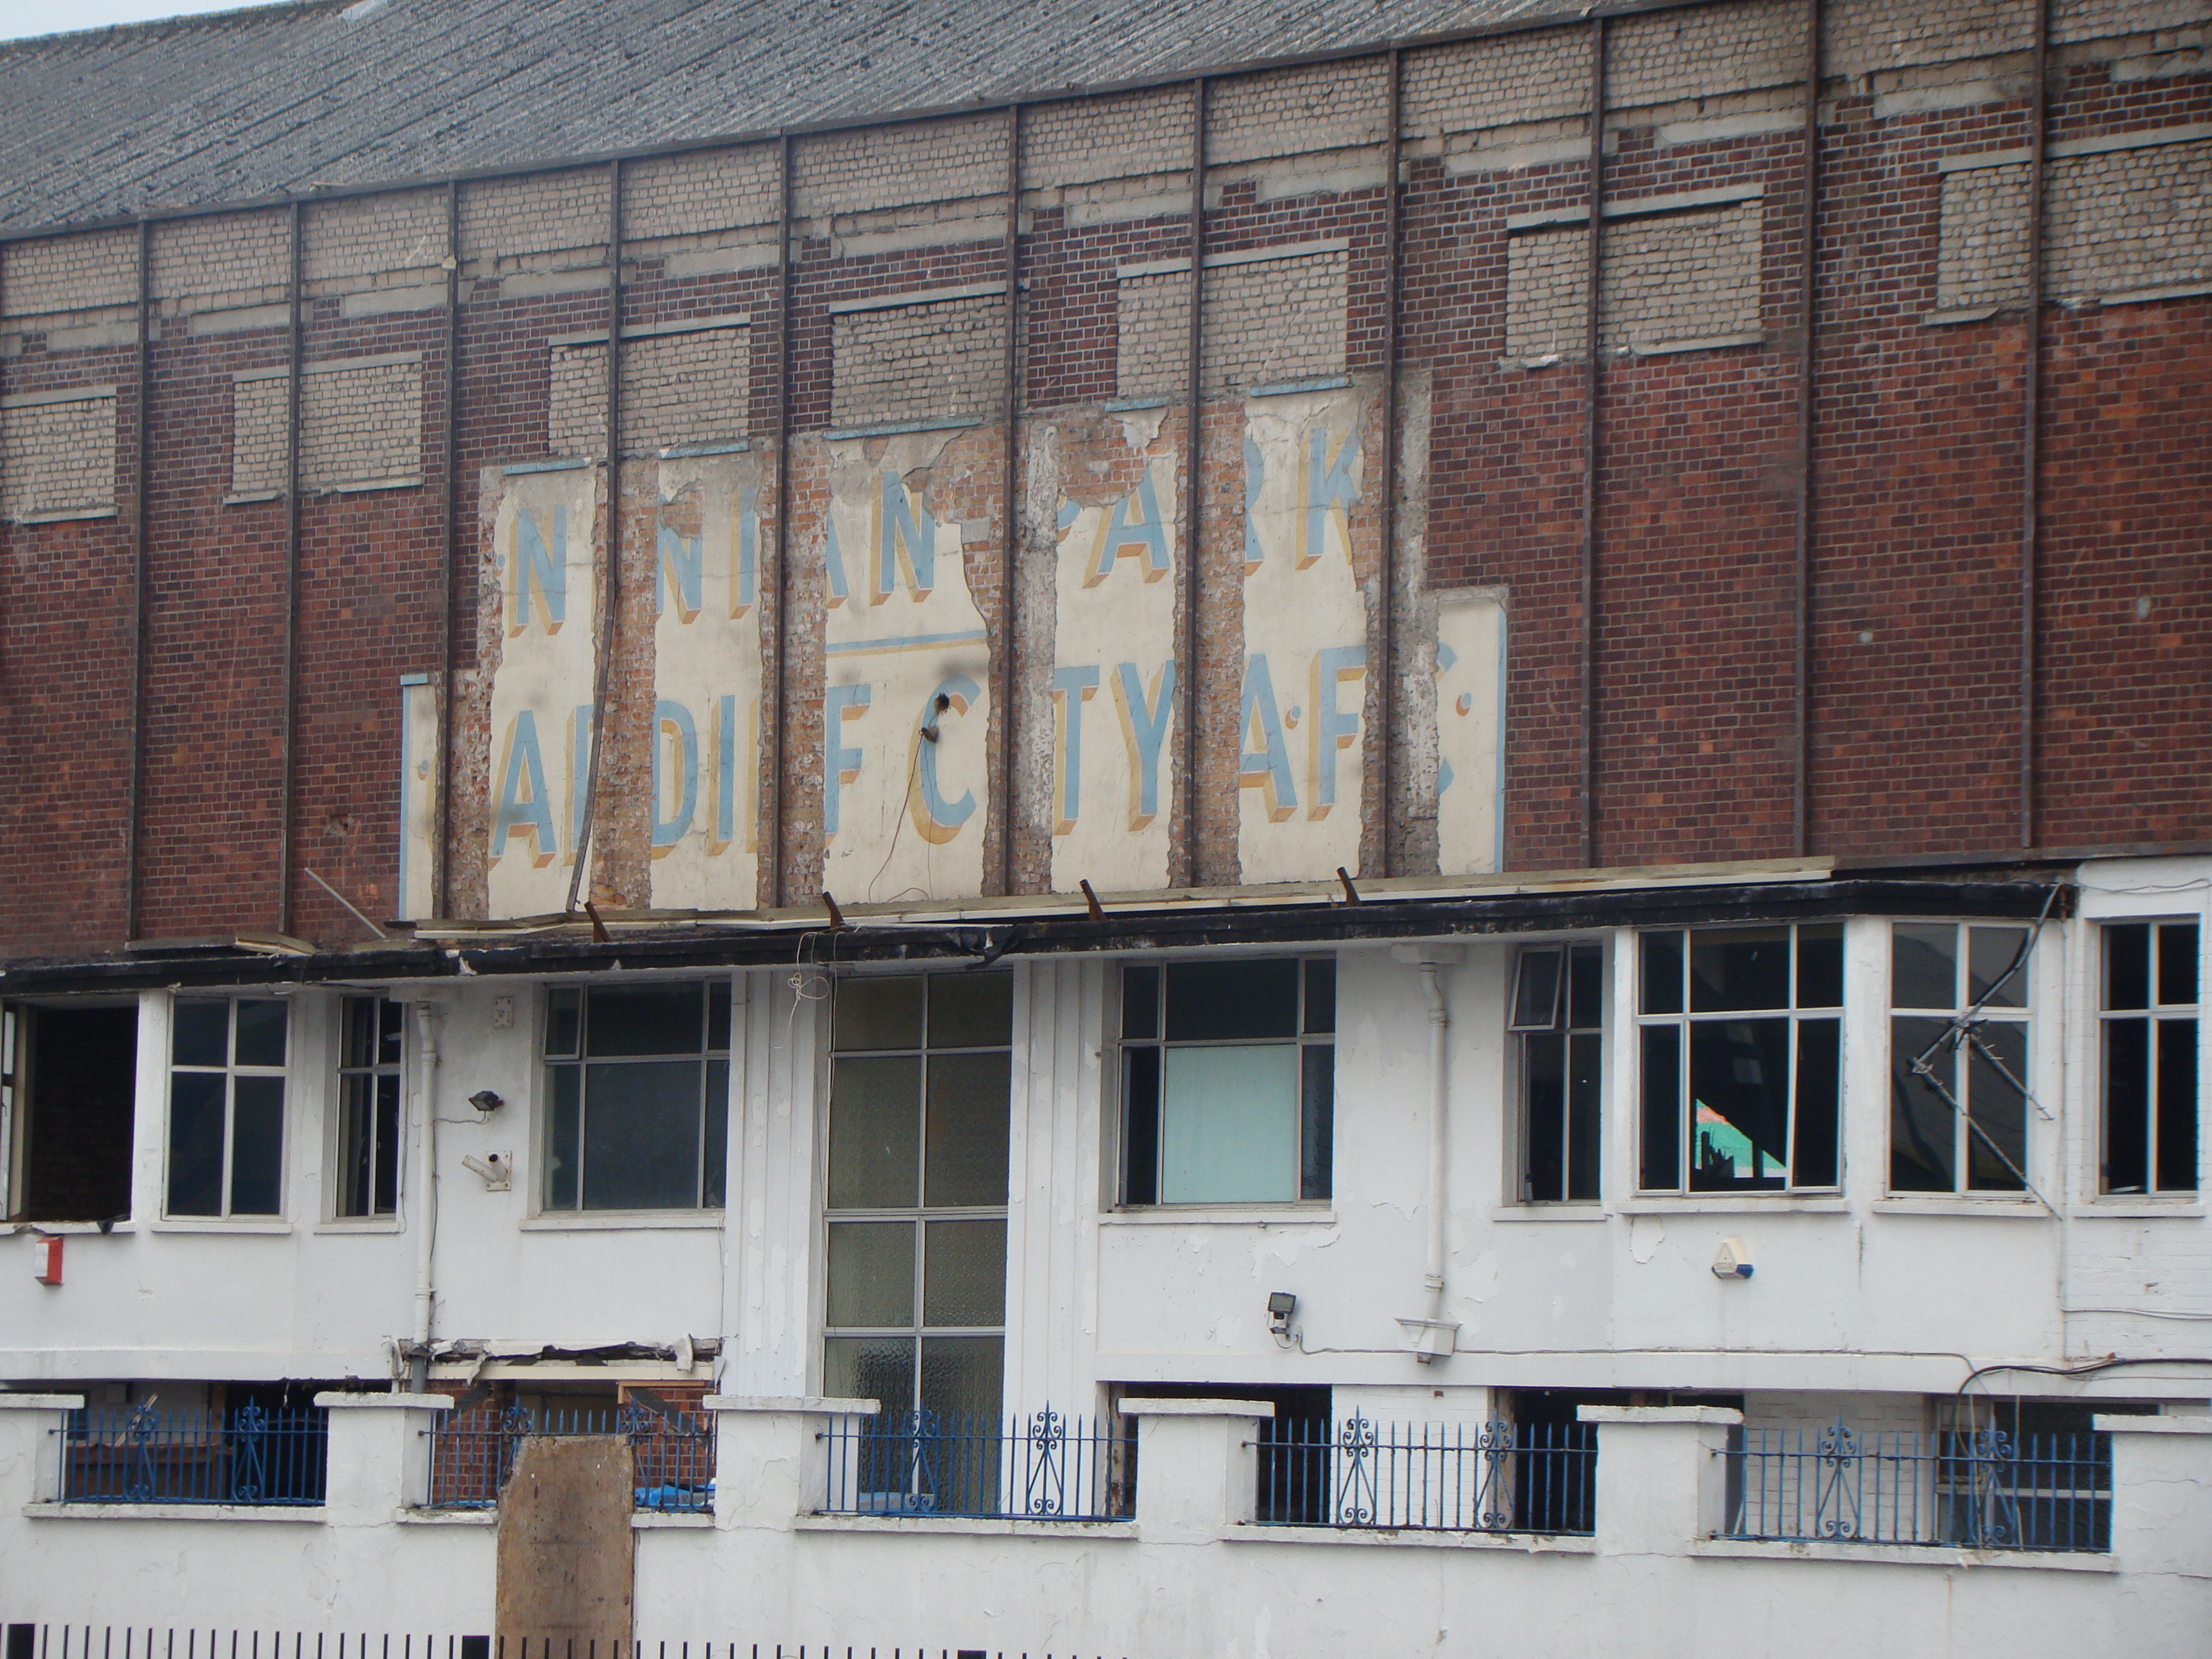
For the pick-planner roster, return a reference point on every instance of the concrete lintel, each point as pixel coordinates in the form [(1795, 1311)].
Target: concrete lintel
[(68, 394), (1896, 1555), (385, 1402), (41, 1402), (1659, 1416), (821, 1405), (1198, 1409), (920, 296), (309, 1514), (1638, 206), (2105, 1424)]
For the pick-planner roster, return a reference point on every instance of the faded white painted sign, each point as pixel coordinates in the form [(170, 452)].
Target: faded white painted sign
[(1114, 687), (546, 604), (1302, 727), (906, 683), (418, 798), (1470, 700), (704, 826)]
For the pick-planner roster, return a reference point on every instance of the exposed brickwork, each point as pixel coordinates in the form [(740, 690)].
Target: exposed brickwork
[(69, 273), (57, 456), (1297, 112), (1668, 281), (699, 192), (1268, 320), (1719, 49), (890, 167), (358, 424), (537, 213), (1541, 76), (366, 235), (919, 363), (244, 256)]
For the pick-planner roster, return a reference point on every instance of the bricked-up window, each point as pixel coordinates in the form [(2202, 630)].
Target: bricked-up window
[(639, 1096), (227, 1106), (1741, 1054), (2150, 1056), (368, 1107), (921, 1083), (1558, 1004), (1229, 1081), (1958, 1058)]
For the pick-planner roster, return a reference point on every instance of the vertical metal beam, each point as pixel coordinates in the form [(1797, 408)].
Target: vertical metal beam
[(442, 900), (294, 373), (1191, 518), (2031, 429), (1808, 310), (142, 470), (1591, 453), (611, 568), (1009, 531), (1387, 558), (781, 676)]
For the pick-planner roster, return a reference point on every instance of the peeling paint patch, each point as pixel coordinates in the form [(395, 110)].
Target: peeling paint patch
[(1470, 696), (1645, 1236)]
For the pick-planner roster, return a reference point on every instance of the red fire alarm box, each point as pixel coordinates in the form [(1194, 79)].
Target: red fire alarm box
[(49, 1258)]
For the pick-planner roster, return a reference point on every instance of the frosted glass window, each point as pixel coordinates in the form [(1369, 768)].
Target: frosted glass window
[(1229, 1125), (639, 1096)]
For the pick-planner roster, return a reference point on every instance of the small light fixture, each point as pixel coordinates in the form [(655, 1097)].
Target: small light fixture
[(485, 1101), (1280, 1305)]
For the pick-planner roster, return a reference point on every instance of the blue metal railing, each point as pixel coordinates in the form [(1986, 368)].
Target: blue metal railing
[(1971, 1489), (1429, 1477), (1043, 1467), (672, 1454), (247, 1455)]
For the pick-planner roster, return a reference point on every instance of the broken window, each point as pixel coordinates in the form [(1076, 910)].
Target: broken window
[(1229, 1081), (920, 1101), (69, 1074), (369, 1109), (1558, 998), (1957, 1057), (1741, 1051), (227, 1106), (2150, 1008), (638, 1082)]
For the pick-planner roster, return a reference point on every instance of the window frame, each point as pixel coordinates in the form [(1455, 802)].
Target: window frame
[(1685, 1018), (542, 1210), (341, 1072), (1519, 1193), (230, 1072), (1117, 1170), (920, 1215), (2156, 1014), (1962, 1187)]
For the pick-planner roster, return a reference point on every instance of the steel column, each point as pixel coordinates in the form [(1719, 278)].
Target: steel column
[(1591, 453), (294, 373), (2031, 431), (1187, 671), (1386, 558), (1010, 537), (781, 677), (1807, 317), (610, 569), (441, 901), (142, 470)]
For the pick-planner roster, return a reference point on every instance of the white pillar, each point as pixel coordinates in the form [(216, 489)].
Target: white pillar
[(771, 1462), (2161, 1493), (377, 1458), (1198, 1467), (30, 1447), (1661, 1475)]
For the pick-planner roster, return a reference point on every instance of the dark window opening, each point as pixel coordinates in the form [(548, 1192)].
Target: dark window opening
[(1559, 1015), (76, 1075), (639, 1081), (2149, 1017)]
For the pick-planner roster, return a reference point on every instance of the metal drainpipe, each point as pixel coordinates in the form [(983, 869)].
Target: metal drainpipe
[(1439, 1028), (426, 1187)]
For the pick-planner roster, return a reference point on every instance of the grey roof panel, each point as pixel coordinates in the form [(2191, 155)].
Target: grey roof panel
[(245, 105)]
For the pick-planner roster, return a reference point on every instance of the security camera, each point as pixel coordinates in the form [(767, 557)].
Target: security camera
[(485, 1101)]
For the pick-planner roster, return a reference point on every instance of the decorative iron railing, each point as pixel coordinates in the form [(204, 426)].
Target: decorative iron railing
[(1973, 1489), (672, 1454), (1429, 1477), (246, 1455), (1044, 1467)]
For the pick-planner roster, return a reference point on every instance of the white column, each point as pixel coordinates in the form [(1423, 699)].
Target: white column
[(2161, 1493), (771, 1461), (1198, 1468), (30, 1447), (1661, 1475), (377, 1458)]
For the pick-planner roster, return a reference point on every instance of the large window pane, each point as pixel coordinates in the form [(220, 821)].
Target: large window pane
[(1544, 1087), (1320, 997), (387, 1198), (646, 1019), (1140, 1126), (879, 1013), (2178, 951), (971, 1010), (200, 1033), (1997, 966), (715, 1176), (641, 1134), (2127, 1105), (1659, 1169), (960, 1379), (878, 1368), (1815, 1151), (1923, 970), (1661, 975), (196, 1107), (964, 1274), (2177, 1105), (256, 1147), (1998, 1156), (968, 1126), (1141, 1002), (1317, 1147), (1231, 1001), (1740, 1101), (1584, 1110), (875, 1134), (1739, 968), (357, 1126), (260, 1032), (1821, 966), (871, 1273), (1923, 1128), (564, 1133), (1229, 1124), (2127, 965)]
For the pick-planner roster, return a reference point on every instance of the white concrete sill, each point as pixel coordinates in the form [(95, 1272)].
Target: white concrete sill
[(652, 1520), (309, 1514), (1229, 1215), (71, 1229), (217, 1225), (1510, 1214), (1988, 1209), (371, 1229), (1737, 1204), (1897, 1555), (2137, 1209), (413, 1517), (606, 1221), (1518, 1543), (960, 1526)]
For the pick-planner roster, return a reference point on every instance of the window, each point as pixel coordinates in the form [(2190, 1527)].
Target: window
[(2150, 1057), (1229, 1081), (639, 1088), (920, 1075), (69, 1087), (1558, 999), (227, 1106), (1958, 1058), (1742, 1038), (368, 1107)]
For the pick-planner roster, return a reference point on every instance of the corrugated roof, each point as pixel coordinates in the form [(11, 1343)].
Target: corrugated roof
[(243, 105)]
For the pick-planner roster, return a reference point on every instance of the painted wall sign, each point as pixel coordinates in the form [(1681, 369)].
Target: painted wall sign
[(906, 683), (1470, 759), (1300, 761), (1114, 685), (703, 834), (418, 798)]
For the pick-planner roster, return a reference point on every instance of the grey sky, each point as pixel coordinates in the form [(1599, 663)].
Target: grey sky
[(21, 17)]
